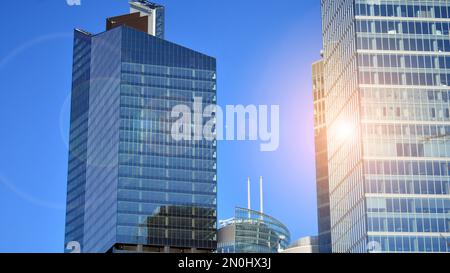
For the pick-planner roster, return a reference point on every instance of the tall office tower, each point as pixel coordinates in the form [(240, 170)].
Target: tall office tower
[(320, 139), (386, 66), (131, 185)]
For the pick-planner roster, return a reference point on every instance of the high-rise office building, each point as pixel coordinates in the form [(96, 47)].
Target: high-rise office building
[(387, 78), (252, 231), (131, 186), (320, 139)]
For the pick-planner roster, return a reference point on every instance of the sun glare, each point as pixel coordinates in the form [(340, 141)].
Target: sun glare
[(345, 130)]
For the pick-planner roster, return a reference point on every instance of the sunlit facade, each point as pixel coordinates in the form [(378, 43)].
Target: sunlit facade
[(387, 112), (320, 139), (131, 186), (252, 232)]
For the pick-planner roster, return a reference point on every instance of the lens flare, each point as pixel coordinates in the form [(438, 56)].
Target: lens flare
[(345, 130)]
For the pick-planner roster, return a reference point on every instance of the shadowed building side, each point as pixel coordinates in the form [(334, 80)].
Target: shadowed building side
[(321, 157), (133, 20)]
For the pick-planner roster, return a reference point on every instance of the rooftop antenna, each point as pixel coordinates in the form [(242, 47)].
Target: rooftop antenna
[(248, 193), (261, 201)]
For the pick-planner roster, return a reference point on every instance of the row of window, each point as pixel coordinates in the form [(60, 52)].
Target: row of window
[(147, 104), (410, 112), (199, 243), (403, 61), (410, 244), (167, 82), (402, 78), (367, 42), (401, 27), (168, 71), (167, 150), (411, 9), (143, 102), (146, 137), (149, 172), (163, 209), (402, 186), (391, 167), (401, 95), (164, 221), (176, 233), (415, 130), (166, 197), (389, 148), (166, 185), (164, 93), (394, 224), (173, 162), (409, 205), (410, 149)]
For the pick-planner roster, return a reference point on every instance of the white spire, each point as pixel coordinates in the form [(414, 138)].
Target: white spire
[(248, 194), (261, 201)]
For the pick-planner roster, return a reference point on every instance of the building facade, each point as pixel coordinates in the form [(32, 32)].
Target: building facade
[(252, 232), (131, 185), (387, 113), (304, 245), (154, 15), (320, 140)]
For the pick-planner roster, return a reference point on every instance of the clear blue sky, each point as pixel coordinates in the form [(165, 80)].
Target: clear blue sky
[(264, 51)]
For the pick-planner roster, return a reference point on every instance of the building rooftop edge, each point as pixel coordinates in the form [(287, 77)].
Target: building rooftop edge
[(146, 4), (232, 221)]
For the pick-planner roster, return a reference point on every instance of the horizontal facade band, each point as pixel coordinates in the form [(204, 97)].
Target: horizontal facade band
[(410, 234), (402, 52), (387, 195), (409, 19)]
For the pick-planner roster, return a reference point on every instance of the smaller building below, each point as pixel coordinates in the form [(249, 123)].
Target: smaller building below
[(304, 245), (252, 232)]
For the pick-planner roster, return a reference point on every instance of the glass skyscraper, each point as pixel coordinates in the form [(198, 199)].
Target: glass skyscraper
[(387, 85), (131, 186), (320, 139)]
